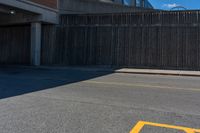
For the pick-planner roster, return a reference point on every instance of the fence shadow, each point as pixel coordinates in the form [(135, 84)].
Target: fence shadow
[(17, 81)]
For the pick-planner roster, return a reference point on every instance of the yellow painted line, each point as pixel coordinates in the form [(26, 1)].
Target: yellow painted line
[(138, 127), (140, 85)]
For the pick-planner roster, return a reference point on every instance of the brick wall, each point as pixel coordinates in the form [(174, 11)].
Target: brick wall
[(49, 3)]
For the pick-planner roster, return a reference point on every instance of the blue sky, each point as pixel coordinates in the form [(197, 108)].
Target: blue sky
[(168, 4)]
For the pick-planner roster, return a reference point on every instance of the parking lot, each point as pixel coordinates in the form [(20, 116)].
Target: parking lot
[(47, 100)]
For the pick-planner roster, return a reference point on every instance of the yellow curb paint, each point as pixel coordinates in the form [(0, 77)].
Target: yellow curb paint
[(138, 127), (141, 85)]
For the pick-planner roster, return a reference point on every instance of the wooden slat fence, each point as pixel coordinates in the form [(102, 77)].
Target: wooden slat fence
[(166, 40), (164, 18), (15, 45)]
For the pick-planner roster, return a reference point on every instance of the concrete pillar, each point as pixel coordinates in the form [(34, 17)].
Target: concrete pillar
[(36, 43)]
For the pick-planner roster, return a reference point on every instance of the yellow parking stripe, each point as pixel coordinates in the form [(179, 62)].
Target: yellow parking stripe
[(140, 85), (138, 127)]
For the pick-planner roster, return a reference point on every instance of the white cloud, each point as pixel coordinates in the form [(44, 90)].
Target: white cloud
[(170, 5)]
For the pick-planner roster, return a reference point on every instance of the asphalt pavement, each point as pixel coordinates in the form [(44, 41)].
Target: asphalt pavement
[(78, 101)]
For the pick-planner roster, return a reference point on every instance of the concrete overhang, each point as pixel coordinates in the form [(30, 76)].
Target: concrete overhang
[(25, 12)]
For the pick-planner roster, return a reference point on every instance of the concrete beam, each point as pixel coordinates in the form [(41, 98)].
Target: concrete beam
[(45, 14), (36, 29)]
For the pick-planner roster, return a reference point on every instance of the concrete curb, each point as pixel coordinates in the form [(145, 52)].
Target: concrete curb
[(123, 70), (159, 72)]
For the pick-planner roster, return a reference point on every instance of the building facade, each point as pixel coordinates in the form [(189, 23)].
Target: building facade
[(102, 6), (38, 12), (23, 11)]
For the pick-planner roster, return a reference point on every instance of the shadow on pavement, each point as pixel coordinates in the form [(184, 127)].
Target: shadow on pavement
[(18, 81)]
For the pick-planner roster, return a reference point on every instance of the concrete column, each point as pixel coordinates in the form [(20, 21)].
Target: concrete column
[(36, 43)]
